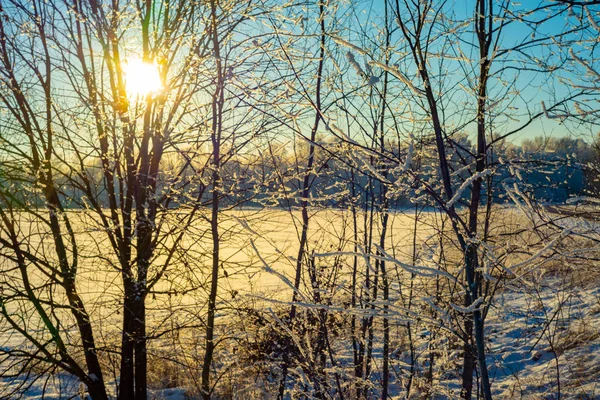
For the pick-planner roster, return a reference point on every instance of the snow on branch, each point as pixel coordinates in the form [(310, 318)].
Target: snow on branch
[(580, 111), (355, 65), (367, 258), (396, 72), (591, 70), (306, 305), (553, 116), (579, 199), (344, 43), (490, 258), (466, 184), (417, 270), (591, 19), (539, 254), (470, 309), (413, 269), (368, 76), (294, 337), (368, 167), (330, 126), (270, 270)]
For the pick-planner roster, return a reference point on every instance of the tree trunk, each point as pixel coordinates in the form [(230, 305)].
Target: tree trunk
[(217, 109), (210, 320), (140, 365), (126, 377), (468, 359), (304, 202)]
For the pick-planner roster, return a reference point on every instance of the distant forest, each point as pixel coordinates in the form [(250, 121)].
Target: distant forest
[(550, 169)]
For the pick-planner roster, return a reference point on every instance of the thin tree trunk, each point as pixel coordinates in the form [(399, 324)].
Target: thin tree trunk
[(370, 296), (356, 346), (386, 325), (384, 204), (304, 200), (410, 298), (217, 108), (210, 320), (469, 250), (484, 34)]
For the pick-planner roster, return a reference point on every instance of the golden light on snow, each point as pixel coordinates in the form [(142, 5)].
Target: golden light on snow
[(142, 77)]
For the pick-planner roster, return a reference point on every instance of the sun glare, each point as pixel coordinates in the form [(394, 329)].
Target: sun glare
[(142, 77)]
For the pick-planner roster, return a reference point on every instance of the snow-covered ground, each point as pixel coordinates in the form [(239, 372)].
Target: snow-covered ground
[(543, 330), (545, 340), (529, 329), (62, 387)]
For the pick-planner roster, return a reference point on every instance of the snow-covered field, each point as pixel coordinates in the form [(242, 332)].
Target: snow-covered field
[(543, 330), (528, 333), (546, 339)]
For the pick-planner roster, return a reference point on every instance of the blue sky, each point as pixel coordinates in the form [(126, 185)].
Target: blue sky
[(528, 88)]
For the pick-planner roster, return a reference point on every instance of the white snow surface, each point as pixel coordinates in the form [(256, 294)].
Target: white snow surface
[(528, 333)]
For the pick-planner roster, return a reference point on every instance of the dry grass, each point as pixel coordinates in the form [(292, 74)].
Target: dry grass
[(579, 333)]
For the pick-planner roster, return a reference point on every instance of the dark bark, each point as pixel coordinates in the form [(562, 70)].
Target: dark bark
[(306, 185), (217, 109), (484, 31), (126, 377)]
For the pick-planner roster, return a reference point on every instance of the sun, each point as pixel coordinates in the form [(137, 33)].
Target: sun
[(142, 77)]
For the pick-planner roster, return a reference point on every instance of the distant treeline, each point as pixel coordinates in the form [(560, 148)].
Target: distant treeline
[(550, 169)]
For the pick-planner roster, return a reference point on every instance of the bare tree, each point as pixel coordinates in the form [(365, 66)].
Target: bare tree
[(111, 162)]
